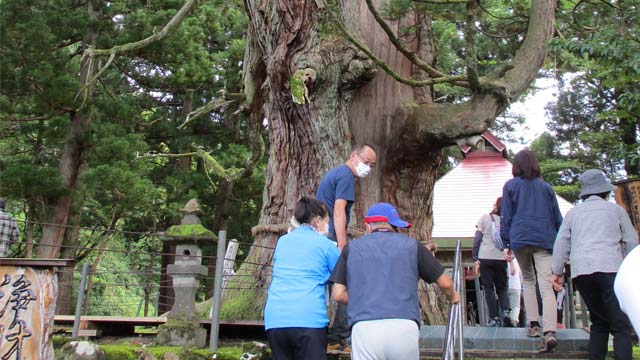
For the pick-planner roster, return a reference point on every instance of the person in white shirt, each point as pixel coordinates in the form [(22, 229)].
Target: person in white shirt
[(627, 289), (515, 290)]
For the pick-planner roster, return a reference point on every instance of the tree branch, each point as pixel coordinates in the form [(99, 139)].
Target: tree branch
[(172, 24), (400, 45), (470, 55), (495, 16), (124, 48), (14, 119), (440, 2), (498, 36), (459, 80), (211, 106), (210, 163)]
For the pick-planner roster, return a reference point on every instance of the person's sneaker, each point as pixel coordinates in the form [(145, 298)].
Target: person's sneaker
[(506, 320), (549, 342), (333, 347), (495, 322), (533, 330)]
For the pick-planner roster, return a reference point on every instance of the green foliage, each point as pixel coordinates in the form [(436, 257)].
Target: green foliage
[(130, 351), (195, 230), (118, 284), (598, 106), (59, 341), (298, 88), (242, 305), (138, 104)]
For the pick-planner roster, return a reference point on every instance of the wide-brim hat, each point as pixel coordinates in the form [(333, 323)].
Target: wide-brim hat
[(593, 181), (385, 212)]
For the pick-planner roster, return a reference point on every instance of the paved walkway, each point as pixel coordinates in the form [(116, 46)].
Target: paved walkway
[(508, 340)]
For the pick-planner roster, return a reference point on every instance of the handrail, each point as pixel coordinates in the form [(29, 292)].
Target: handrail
[(454, 330)]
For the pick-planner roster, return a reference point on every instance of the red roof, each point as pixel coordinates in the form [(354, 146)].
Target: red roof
[(469, 191), (491, 140)]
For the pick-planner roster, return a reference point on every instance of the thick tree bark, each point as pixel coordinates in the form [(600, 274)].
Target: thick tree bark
[(75, 145), (306, 139), (64, 304), (408, 130)]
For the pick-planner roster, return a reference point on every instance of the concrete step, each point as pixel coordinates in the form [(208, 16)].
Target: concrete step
[(507, 341)]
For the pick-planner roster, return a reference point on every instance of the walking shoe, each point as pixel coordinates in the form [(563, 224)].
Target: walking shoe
[(342, 347), (333, 347), (549, 341), (495, 322), (533, 330), (506, 320)]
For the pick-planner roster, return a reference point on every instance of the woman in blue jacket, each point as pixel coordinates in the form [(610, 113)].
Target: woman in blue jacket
[(295, 316), (530, 219)]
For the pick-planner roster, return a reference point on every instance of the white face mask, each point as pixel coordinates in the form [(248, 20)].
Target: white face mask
[(362, 169), (322, 228), (326, 230)]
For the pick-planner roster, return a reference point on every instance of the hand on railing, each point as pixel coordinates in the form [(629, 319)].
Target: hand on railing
[(455, 299)]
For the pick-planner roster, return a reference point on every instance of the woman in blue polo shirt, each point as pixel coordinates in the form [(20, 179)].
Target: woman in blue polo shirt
[(295, 316)]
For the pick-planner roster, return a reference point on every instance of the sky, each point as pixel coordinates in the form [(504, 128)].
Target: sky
[(532, 107)]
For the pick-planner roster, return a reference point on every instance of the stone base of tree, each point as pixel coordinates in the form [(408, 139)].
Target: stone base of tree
[(182, 333)]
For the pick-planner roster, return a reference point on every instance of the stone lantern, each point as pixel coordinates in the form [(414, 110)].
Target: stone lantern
[(183, 325)]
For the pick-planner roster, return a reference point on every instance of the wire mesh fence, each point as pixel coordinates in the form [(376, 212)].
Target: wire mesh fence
[(131, 279)]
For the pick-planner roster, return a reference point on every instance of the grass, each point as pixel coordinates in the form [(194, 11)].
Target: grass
[(122, 350), (636, 353)]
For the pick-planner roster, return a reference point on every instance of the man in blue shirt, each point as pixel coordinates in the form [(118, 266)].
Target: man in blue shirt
[(337, 190)]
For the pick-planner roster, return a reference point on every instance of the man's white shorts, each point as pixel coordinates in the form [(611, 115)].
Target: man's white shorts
[(387, 339)]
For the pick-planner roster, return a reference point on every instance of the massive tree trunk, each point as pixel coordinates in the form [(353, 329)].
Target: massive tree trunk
[(345, 107), (76, 143)]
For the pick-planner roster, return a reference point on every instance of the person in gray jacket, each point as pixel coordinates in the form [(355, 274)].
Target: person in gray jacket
[(590, 237)]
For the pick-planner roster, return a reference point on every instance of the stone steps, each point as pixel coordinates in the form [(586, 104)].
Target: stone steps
[(500, 343), (495, 342)]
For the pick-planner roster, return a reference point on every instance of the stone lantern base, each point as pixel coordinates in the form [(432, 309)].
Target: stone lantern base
[(182, 333)]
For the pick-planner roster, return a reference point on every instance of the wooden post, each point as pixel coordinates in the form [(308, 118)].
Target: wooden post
[(28, 296)]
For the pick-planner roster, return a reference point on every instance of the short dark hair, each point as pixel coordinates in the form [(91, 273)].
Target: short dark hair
[(1, 203), (359, 147), (603, 195), (526, 165), (308, 208), (498, 204)]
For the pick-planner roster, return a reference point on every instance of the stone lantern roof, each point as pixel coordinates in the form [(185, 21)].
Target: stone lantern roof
[(190, 228)]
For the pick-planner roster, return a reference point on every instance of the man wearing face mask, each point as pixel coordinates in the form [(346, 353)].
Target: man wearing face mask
[(337, 189)]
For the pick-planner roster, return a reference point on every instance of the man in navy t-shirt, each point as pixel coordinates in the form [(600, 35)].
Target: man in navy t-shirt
[(337, 189)]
